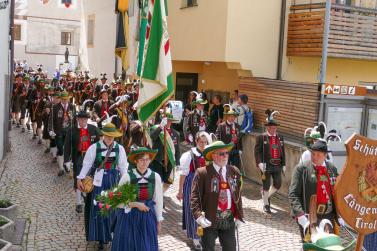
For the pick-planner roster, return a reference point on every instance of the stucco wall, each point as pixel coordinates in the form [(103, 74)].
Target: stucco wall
[(101, 56), (4, 77), (216, 75), (252, 37), (198, 33), (339, 71), (292, 154)]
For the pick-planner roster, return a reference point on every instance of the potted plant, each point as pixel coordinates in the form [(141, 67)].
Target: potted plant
[(8, 209), (6, 228), (5, 245)]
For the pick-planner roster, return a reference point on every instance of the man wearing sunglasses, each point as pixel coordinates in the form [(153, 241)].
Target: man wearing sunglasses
[(216, 201)]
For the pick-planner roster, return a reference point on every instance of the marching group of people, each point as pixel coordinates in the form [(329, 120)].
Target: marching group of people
[(94, 135)]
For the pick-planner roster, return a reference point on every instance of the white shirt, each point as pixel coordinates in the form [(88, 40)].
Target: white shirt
[(157, 196), (185, 161), (223, 173), (90, 157)]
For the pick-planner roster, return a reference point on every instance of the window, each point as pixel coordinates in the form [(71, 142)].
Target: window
[(17, 32), (66, 38), (90, 38), (189, 3)]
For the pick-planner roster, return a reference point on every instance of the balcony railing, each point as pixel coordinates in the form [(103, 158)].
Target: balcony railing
[(353, 31)]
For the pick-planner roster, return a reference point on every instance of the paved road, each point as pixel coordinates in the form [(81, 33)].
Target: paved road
[(48, 202)]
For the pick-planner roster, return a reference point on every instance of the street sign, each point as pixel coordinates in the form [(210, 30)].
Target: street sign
[(346, 90), (356, 187)]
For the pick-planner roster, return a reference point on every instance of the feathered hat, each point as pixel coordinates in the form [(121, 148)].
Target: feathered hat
[(319, 132), (228, 110), (270, 121), (199, 99)]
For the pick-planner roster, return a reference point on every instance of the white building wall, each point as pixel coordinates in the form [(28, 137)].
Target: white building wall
[(4, 77), (101, 56), (42, 25)]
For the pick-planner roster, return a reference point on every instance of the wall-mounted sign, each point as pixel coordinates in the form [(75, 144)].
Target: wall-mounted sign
[(356, 186), (3, 4), (345, 90)]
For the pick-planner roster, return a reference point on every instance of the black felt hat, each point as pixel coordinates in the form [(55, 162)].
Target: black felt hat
[(320, 146), (83, 114)]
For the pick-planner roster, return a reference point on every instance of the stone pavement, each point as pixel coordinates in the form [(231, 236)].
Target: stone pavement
[(48, 203)]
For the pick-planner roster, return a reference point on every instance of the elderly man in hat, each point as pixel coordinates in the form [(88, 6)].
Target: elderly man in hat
[(62, 118), (79, 137), (216, 201), (197, 119), (270, 159), (106, 160), (314, 177), (229, 132)]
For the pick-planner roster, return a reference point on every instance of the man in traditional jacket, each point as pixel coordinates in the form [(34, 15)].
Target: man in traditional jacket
[(229, 132), (62, 118), (216, 201), (197, 120), (314, 177), (162, 166), (36, 100), (77, 141), (26, 91), (270, 159), (102, 106)]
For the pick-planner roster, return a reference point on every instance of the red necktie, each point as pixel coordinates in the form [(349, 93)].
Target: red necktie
[(223, 196)]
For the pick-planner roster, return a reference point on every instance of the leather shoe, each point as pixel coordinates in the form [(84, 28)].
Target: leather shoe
[(267, 209), (79, 209)]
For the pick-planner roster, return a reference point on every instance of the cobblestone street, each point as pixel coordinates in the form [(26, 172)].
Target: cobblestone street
[(47, 201)]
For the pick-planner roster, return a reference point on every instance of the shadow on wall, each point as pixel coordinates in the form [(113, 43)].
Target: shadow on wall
[(292, 155)]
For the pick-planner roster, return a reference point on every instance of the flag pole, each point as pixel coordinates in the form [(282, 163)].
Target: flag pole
[(165, 146)]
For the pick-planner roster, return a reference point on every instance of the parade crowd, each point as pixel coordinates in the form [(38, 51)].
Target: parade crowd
[(121, 168)]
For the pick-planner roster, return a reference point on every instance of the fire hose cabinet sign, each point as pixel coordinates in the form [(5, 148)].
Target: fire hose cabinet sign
[(356, 186)]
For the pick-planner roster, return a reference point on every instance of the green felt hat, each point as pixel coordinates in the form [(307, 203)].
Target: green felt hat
[(111, 131), (217, 145), (64, 95), (49, 87), (330, 242), (141, 151), (170, 117)]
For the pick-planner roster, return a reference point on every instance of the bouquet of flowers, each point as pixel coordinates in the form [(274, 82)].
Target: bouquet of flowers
[(114, 197)]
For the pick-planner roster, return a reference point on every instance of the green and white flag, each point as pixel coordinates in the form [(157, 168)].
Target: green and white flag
[(156, 71)]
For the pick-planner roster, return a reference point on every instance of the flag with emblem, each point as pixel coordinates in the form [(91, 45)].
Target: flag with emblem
[(156, 70)]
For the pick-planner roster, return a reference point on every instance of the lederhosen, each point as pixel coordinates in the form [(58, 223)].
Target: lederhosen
[(36, 103), (78, 157), (45, 118), (273, 165), (60, 138)]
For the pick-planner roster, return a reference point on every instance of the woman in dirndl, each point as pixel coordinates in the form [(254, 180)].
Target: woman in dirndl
[(190, 161), (139, 222), (107, 160)]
